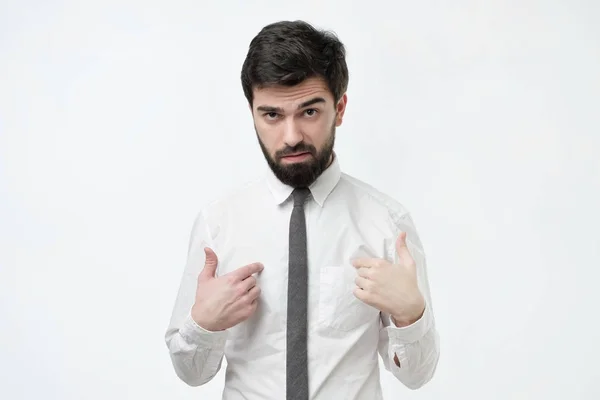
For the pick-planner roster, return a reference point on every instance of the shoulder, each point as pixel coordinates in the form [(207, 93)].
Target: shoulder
[(372, 196), (217, 208), (235, 196), (378, 203)]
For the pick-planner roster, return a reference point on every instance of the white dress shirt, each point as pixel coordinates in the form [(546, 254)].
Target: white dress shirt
[(345, 219)]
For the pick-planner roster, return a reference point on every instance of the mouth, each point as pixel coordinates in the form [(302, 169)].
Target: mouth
[(296, 156)]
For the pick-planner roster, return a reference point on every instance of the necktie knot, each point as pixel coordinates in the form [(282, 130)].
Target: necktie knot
[(300, 195)]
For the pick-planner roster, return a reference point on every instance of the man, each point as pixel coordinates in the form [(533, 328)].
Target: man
[(303, 278)]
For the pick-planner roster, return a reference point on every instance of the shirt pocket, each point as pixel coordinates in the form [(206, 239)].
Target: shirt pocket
[(339, 309)]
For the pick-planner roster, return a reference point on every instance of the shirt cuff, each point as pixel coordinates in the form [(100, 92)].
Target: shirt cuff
[(194, 333), (412, 332)]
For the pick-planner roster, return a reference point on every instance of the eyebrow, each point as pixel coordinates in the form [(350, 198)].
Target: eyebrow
[(280, 110)]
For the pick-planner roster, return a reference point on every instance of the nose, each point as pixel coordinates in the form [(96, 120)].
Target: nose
[(292, 134)]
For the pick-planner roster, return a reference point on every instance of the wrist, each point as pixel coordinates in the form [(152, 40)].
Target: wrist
[(197, 316), (409, 318)]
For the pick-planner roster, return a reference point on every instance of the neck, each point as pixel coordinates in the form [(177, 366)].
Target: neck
[(330, 160)]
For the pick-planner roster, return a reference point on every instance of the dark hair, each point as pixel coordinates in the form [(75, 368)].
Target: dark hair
[(288, 52)]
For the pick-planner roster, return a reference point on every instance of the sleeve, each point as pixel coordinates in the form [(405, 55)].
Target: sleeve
[(196, 354), (411, 353)]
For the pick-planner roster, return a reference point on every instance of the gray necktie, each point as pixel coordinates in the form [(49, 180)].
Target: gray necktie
[(297, 356)]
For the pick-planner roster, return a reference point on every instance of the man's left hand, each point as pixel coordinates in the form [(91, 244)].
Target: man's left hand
[(391, 288)]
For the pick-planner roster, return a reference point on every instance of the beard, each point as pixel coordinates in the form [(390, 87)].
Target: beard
[(300, 174)]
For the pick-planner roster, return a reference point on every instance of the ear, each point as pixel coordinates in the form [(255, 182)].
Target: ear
[(340, 108)]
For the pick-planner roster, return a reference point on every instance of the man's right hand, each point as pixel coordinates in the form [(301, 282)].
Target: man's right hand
[(225, 301)]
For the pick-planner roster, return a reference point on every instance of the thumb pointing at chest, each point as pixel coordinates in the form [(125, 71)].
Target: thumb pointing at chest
[(210, 265)]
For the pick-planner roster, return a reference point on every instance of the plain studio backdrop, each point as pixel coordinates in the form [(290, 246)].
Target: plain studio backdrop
[(120, 120)]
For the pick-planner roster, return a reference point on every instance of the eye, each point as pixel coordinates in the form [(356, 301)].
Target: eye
[(271, 115), (311, 112)]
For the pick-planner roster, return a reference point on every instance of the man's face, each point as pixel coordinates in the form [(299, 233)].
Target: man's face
[(295, 126)]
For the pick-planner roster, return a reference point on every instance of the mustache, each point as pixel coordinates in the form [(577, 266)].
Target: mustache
[(299, 148)]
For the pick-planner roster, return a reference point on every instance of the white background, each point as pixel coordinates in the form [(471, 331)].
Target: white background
[(120, 119)]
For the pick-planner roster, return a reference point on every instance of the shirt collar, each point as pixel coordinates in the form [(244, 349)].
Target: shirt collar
[(319, 190)]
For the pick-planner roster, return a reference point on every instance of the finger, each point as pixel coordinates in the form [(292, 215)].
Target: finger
[(249, 283), (247, 270), (363, 283), (252, 294), (210, 265), (402, 249), (364, 272), (362, 295), (364, 262)]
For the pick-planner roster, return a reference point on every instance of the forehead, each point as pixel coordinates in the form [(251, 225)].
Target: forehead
[(289, 97)]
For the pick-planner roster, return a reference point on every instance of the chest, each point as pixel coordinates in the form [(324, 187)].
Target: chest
[(333, 240)]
